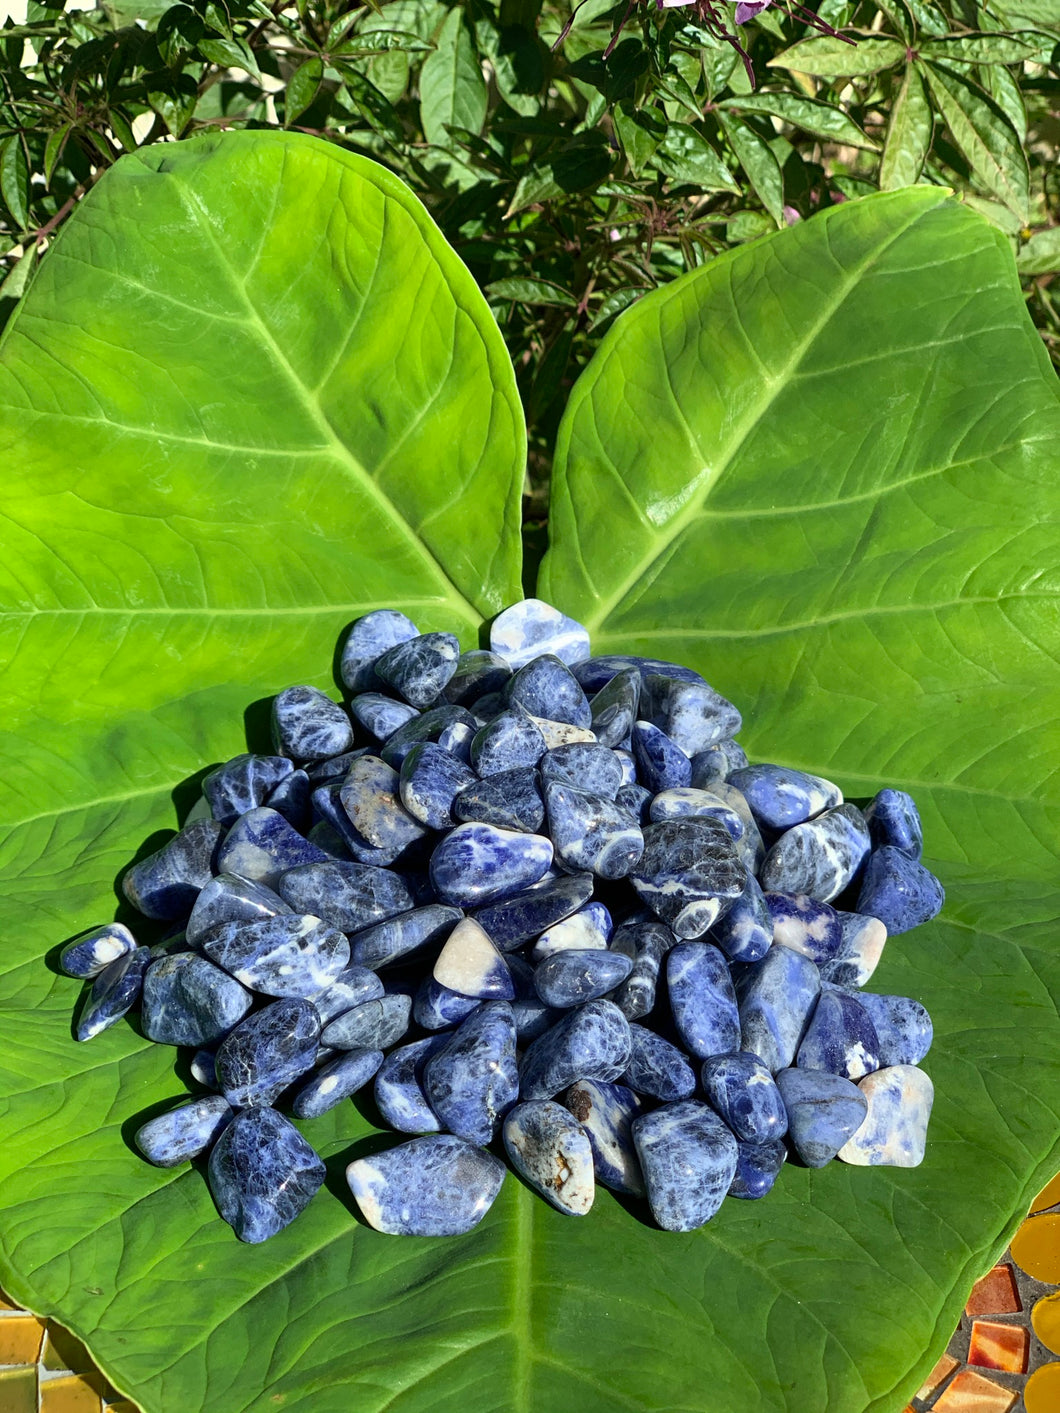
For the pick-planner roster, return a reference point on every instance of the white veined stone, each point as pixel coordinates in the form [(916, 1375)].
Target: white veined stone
[(470, 964)]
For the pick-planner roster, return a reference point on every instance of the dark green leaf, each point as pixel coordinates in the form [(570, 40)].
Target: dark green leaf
[(809, 114), (1005, 91), (529, 291), (14, 180), (229, 54), (756, 158), (302, 88), (53, 149), (179, 31), (685, 156), (173, 98), (613, 305), (375, 107), (380, 41), (452, 89), (639, 132), (674, 86), (549, 379), (908, 134), (582, 164), (988, 48), (119, 126), (983, 135), (1041, 254), (831, 58)]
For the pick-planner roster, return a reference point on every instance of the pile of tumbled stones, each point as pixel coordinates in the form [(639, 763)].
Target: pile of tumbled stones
[(528, 894)]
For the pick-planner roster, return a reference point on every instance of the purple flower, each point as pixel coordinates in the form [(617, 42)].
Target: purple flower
[(747, 9)]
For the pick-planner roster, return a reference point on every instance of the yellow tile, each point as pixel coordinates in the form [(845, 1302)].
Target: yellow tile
[(1041, 1392), (1036, 1248), (20, 1339), (6, 1303), (1048, 1197), (62, 1350), (18, 1390), (938, 1376), (1045, 1317), (73, 1393), (122, 1406)]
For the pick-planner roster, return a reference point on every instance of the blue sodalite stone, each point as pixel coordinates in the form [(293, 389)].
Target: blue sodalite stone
[(370, 795), (419, 668), (692, 714), (242, 784), (327, 803), (352, 987), (820, 857), (114, 991), (89, 955), (686, 803), (606, 1113), (531, 628), (456, 738), (591, 1042), (470, 964), (636, 995), (473, 1081), (165, 884), (749, 846), (478, 863), (688, 1157), (478, 673), (437, 1185), (407, 932), (745, 932), (349, 896), (805, 925), (188, 1001), (899, 891), (585, 765), (636, 801), (780, 796), (589, 927), (595, 672), (511, 799), (379, 714), (656, 1067), (368, 639), (860, 949), (624, 756), (184, 1132), (430, 780), (511, 740), (757, 1168), (292, 954), (203, 1068), (549, 1149), (308, 726), (689, 873), (335, 1081), (570, 978), (332, 768), (840, 1037), (262, 1174), (486, 707), (532, 1018), (894, 822), (903, 1028), (702, 999), (591, 834), (427, 726), (614, 708), (894, 1133), (435, 1007), (266, 1052), (527, 914), (398, 1091), (824, 1110), (661, 765), (715, 765), (545, 687), (776, 997), (373, 1025), (261, 847), (292, 798), (746, 1096)]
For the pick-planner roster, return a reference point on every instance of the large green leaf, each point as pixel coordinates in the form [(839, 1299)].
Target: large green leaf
[(823, 470)]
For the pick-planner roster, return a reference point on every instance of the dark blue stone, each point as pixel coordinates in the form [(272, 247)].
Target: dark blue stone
[(229, 898), (473, 1080), (757, 1168), (307, 725), (689, 874), (489, 705), (430, 780), (188, 1001), (840, 1037), (527, 914), (87, 956), (405, 933), (595, 672), (165, 884), (805, 925), (585, 765), (478, 863), (371, 797), (688, 1156), (349, 896), (435, 1007), (437, 1185), (656, 1067), (661, 764), (203, 1067), (636, 996), (267, 1052), (373, 1025), (242, 784), (749, 847), (261, 846), (380, 715), (292, 954), (510, 799), (702, 999), (636, 801), (894, 822), (326, 772), (546, 687), (776, 997), (420, 668), (507, 742), (860, 950), (614, 708), (570, 978), (899, 891), (115, 991), (606, 1113), (591, 834), (824, 1110), (292, 798), (352, 987), (184, 1132), (478, 672), (427, 726), (714, 765), (628, 765), (745, 932), (780, 796), (744, 1093), (456, 738), (262, 1174), (684, 802), (399, 1095), (820, 857), (903, 1027), (692, 714), (591, 1042), (368, 639), (335, 1081), (327, 802)]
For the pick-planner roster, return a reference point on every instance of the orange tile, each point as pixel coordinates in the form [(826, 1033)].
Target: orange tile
[(73, 1393), (995, 1294), (62, 1350), (1041, 1392), (997, 1346), (938, 1376), (20, 1339), (18, 1390), (971, 1393), (1048, 1197), (1045, 1317), (1036, 1248)]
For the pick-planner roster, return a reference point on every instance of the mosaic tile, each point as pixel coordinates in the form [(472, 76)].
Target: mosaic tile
[(1036, 1248), (995, 1293), (997, 1346), (1045, 1317), (1048, 1197), (971, 1393), (20, 1339), (938, 1376), (1042, 1391), (72, 1393), (18, 1390), (65, 1352)]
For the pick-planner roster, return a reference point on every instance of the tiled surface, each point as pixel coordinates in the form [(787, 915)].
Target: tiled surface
[(1004, 1356)]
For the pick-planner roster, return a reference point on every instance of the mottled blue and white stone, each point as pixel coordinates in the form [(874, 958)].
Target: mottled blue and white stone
[(636, 995), (335, 1081), (820, 857), (352, 987), (780, 796), (586, 765), (636, 801), (590, 1042), (702, 999), (401, 935), (532, 627), (824, 1111), (292, 798), (595, 672), (714, 765), (746, 1096), (750, 846), (661, 764), (571, 978), (89, 955), (420, 668), (431, 779), (373, 1025), (614, 708), (470, 964), (472, 1081), (656, 1067), (561, 733), (624, 756), (477, 864), (745, 932), (437, 1185), (266, 1052), (456, 738), (368, 639), (510, 741), (165, 884), (332, 768), (188, 1001), (349, 896), (860, 949), (292, 954), (894, 1133), (805, 925), (688, 1156), (776, 997), (606, 1113), (894, 822), (692, 714), (262, 1174), (689, 873), (902, 1025), (307, 725), (242, 784), (757, 1168), (203, 1068), (590, 833), (379, 714), (546, 687), (898, 890), (184, 1132), (435, 1007), (511, 799), (262, 846), (840, 1037), (327, 802), (587, 929), (399, 1094), (114, 992), (478, 672), (427, 726), (686, 803), (371, 797), (549, 1149), (527, 914)]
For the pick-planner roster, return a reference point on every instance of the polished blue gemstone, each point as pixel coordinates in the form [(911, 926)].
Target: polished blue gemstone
[(820, 857), (478, 863), (431, 779), (261, 846), (860, 949), (373, 1025), (327, 803), (606, 1113), (899, 891), (352, 987), (624, 756), (184, 1132), (371, 797), (546, 687), (510, 799), (507, 742), (531, 628), (688, 1157), (894, 1133), (456, 738), (894, 822), (427, 726), (292, 798), (262, 1174), (757, 1168), (776, 997), (437, 1185), (824, 1110), (702, 999), (473, 1081), (572, 977), (805, 925), (692, 714), (242, 784), (595, 672), (614, 708), (636, 995), (188, 1001), (87, 956), (589, 927), (636, 801), (329, 840), (715, 765), (266, 1052), (749, 847), (656, 1067), (527, 914), (292, 954), (478, 672), (165, 884), (203, 1068), (903, 1027), (840, 1037), (684, 802), (436, 1007), (781, 796), (114, 992), (471, 965), (419, 668), (585, 765), (591, 834), (661, 764), (307, 725), (368, 639), (380, 715), (590, 1042), (689, 873), (550, 1150), (744, 1093), (335, 1081), (332, 768), (405, 933), (745, 932), (399, 1094), (349, 896)]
